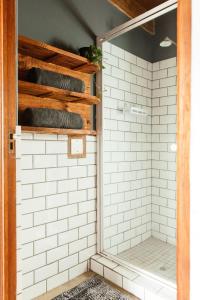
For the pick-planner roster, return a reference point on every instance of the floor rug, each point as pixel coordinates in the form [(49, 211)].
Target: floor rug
[(93, 289)]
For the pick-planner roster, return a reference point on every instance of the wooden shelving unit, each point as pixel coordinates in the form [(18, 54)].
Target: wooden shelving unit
[(35, 54), (58, 131)]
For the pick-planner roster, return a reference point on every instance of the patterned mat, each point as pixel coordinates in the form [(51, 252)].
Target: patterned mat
[(93, 289)]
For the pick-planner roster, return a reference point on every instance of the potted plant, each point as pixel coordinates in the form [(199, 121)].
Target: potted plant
[(93, 54)]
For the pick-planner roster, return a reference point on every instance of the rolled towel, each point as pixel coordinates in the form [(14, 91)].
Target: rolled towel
[(45, 117), (57, 80)]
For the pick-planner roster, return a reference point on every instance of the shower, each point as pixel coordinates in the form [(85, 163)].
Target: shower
[(167, 42), (138, 196)]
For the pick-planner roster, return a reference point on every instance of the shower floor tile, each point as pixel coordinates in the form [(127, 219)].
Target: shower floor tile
[(154, 256)]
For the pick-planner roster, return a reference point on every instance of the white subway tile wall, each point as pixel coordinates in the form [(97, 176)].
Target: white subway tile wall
[(127, 146), (19, 222), (56, 212), (163, 155), (139, 165)]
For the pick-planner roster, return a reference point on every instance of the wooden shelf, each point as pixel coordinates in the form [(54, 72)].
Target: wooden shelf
[(43, 130), (36, 54), (43, 91), (51, 54), (25, 63)]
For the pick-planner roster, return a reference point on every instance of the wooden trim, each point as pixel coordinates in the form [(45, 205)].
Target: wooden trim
[(183, 153), (7, 160), (72, 155), (132, 9), (43, 130)]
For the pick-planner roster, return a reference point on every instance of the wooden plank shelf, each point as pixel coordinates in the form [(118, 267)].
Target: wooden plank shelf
[(44, 91), (51, 54), (74, 132)]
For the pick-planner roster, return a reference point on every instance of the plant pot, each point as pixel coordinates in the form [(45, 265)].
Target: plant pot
[(84, 51)]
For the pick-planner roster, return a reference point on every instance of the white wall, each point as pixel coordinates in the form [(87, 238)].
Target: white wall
[(58, 212), (194, 156), (139, 165), (127, 150), (163, 157)]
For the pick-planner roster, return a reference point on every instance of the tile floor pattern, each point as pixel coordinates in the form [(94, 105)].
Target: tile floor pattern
[(154, 256)]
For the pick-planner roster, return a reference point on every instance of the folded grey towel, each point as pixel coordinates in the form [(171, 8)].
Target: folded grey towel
[(57, 80), (44, 117)]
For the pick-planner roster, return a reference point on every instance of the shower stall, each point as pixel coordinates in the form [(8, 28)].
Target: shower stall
[(137, 197)]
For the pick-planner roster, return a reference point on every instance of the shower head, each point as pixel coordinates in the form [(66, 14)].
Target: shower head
[(167, 42)]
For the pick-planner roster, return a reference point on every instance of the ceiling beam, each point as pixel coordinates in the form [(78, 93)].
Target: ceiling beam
[(132, 8)]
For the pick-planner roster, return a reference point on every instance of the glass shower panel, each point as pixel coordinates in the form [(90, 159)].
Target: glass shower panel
[(139, 153)]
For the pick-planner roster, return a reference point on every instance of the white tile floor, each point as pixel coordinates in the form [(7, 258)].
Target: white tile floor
[(154, 256)]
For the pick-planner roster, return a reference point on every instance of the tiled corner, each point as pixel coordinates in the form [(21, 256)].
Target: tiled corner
[(142, 287)]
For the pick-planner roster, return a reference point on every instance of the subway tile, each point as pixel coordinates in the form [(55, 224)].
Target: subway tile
[(27, 279), (77, 221), (124, 65), (96, 267), (44, 189), (45, 216), (27, 250), (130, 57), (32, 147), (44, 161), (27, 162), (57, 253), (87, 206), (32, 176), (67, 211), (32, 205), (68, 236), (33, 263), (113, 276), (118, 73), (78, 270), (45, 244), (56, 227), (87, 230), (110, 59), (68, 262), (85, 183), (33, 234), (85, 254), (34, 290), (110, 81), (67, 185), (57, 280), (46, 272), (56, 147), (56, 173), (56, 200), (77, 196)]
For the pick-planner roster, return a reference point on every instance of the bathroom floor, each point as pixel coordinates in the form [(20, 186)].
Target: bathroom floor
[(76, 282), (154, 256)]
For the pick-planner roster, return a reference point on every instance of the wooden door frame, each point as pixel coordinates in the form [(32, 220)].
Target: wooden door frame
[(7, 159), (183, 136), (183, 153)]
